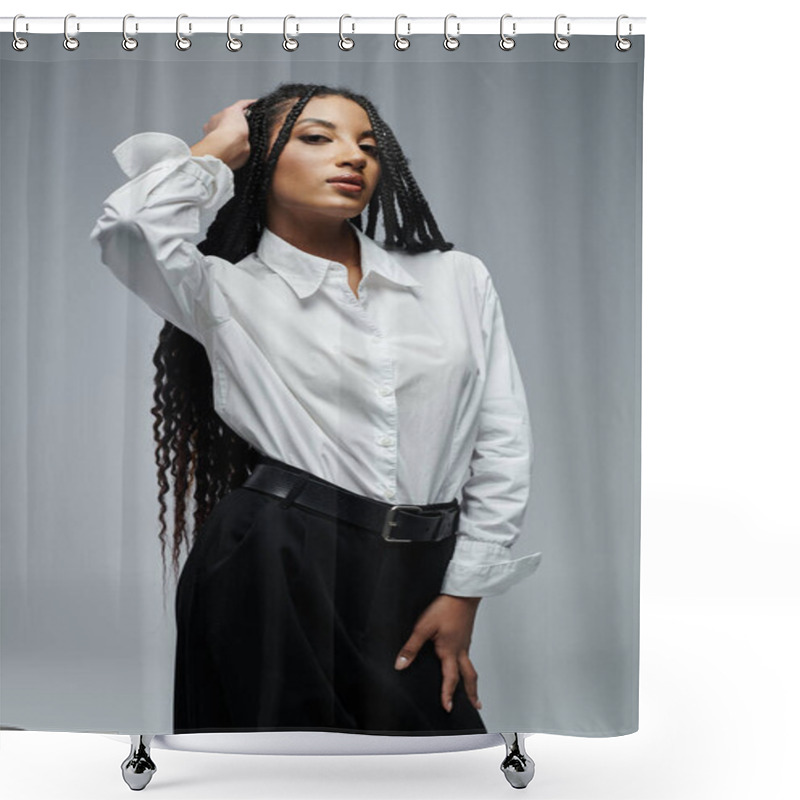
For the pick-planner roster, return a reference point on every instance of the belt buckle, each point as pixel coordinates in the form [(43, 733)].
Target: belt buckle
[(390, 523)]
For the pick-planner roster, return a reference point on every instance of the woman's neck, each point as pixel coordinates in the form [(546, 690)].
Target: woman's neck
[(337, 242)]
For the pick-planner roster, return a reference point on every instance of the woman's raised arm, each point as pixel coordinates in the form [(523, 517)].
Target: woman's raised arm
[(150, 225)]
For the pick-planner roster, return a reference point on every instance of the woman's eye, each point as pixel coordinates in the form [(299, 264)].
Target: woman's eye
[(317, 137), (310, 136)]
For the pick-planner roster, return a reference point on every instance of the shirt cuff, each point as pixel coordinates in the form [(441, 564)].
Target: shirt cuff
[(479, 569), (142, 151)]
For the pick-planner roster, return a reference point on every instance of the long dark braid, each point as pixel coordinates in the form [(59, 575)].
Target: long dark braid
[(193, 445)]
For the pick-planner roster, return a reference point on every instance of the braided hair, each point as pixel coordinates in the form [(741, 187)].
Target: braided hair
[(204, 457)]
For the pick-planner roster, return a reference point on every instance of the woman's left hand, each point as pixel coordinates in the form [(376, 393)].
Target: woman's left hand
[(448, 620)]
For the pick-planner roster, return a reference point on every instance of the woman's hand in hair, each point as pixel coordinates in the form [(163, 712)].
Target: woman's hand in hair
[(227, 135), (448, 620)]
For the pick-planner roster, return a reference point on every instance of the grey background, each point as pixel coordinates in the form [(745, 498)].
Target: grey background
[(530, 159)]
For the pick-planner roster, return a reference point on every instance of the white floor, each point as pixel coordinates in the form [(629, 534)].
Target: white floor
[(719, 703)]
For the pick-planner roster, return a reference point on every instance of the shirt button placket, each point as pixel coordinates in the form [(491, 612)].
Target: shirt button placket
[(386, 373), (386, 440)]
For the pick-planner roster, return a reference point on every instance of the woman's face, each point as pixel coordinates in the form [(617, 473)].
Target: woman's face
[(331, 138)]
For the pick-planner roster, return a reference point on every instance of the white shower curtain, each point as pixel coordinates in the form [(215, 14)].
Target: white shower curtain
[(530, 162)]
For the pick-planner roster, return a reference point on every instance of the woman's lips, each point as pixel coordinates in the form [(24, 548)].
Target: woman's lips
[(353, 188)]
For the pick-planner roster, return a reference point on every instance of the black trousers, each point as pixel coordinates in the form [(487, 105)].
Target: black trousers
[(288, 619)]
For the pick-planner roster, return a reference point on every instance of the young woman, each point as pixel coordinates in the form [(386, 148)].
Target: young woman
[(325, 399)]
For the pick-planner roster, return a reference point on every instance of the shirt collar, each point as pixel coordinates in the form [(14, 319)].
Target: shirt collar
[(305, 272)]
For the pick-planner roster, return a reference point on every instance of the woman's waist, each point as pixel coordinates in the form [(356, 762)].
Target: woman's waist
[(394, 521)]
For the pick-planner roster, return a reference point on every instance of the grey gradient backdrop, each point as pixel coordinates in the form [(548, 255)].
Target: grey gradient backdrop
[(530, 159)]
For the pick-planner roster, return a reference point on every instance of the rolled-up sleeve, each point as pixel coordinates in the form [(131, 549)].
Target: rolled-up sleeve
[(149, 227), (495, 497)]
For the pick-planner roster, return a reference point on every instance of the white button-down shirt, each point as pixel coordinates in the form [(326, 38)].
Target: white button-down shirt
[(408, 393)]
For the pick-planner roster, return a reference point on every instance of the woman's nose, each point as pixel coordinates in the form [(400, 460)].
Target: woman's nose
[(355, 156)]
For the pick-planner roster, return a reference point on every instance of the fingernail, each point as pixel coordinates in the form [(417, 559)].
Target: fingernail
[(401, 662), (480, 705), (449, 705)]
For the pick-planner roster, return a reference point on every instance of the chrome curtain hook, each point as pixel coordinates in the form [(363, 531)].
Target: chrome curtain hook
[(128, 42), (451, 42), (233, 44), (344, 42), (18, 43), (622, 44), (70, 42), (182, 43), (399, 42), (561, 43), (289, 43), (507, 42)]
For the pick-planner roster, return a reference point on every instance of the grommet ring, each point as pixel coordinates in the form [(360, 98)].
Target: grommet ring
[(233, 44), (399, 42), (128, 42), (344, 42), (623, 45), (290, 44), (70, 42), (18, 43), (182, 43), (506, 42), (561, 43), (451, 42)]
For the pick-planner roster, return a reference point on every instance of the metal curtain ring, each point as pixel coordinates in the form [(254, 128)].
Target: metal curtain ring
[(128, 42), (561, 43), (289, 43), (18, 43), (344, 42), (182, 43), (399, 42), (233, 44), (621, 44), (451, 42), (506, 42), (70, 42)]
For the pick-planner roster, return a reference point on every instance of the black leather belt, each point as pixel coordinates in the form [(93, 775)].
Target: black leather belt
[(395, 523)]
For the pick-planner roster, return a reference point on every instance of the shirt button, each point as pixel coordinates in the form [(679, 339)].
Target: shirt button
[(389, 493), (386, 441), (384, 390)]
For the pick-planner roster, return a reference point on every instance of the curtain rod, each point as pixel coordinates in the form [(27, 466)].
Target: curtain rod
[(407, 26)]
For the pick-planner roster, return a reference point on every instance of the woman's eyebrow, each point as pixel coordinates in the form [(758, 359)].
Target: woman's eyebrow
[(330, 125)]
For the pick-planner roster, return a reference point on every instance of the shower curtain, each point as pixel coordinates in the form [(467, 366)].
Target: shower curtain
[(527, 414)]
